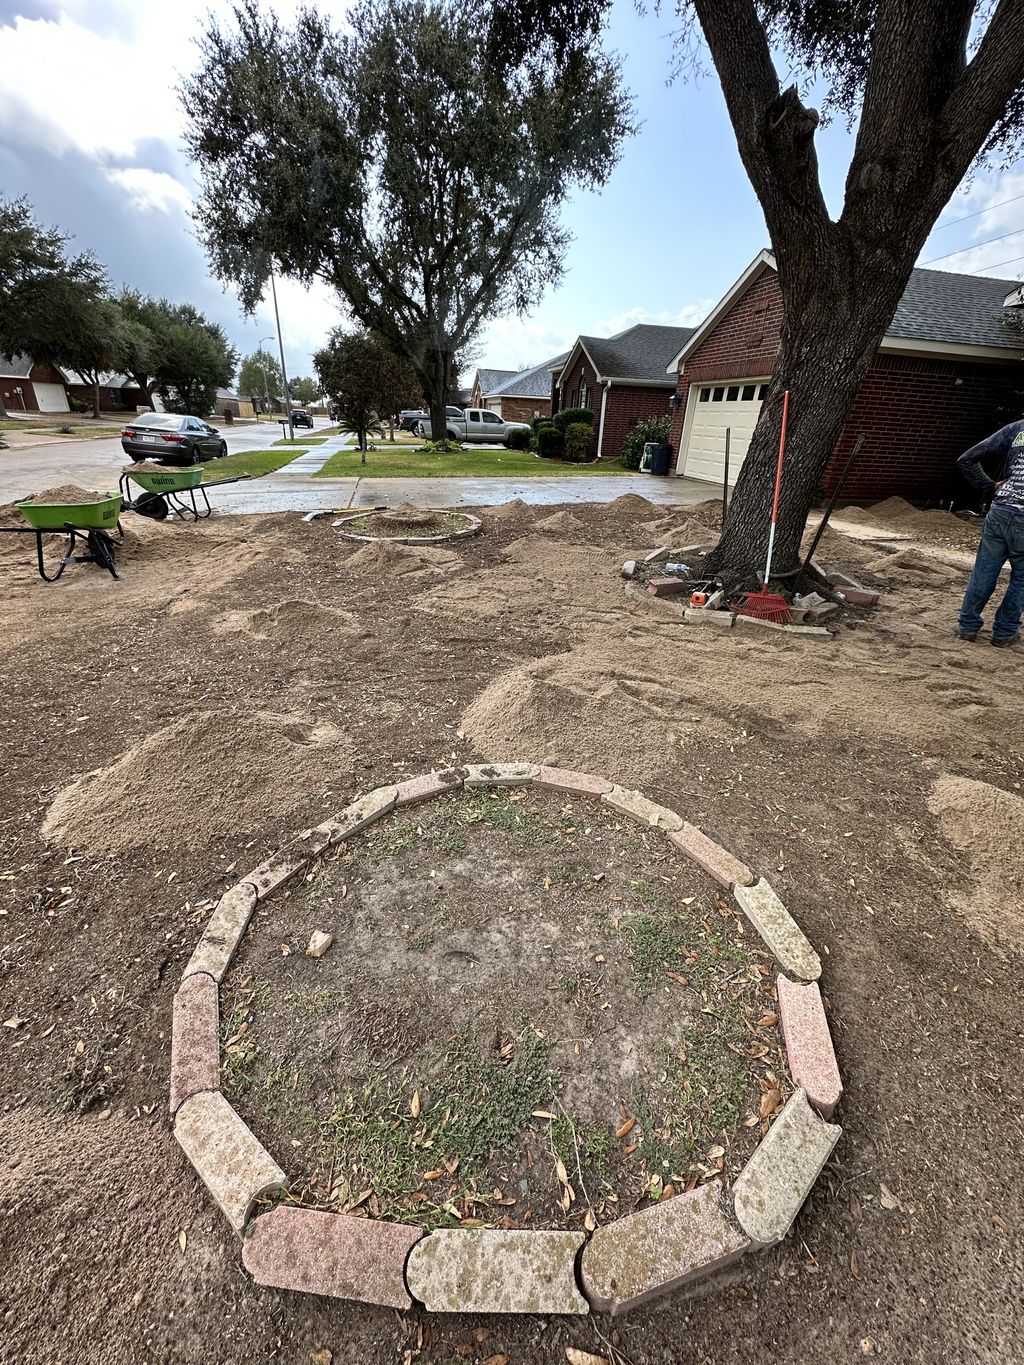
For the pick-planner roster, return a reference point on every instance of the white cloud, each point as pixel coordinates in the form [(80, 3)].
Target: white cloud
[(150, 190), (687, 316), (997, 230)]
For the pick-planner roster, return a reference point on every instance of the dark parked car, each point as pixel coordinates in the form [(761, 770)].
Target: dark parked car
[(301, 418), (408, 418), (166, 438)]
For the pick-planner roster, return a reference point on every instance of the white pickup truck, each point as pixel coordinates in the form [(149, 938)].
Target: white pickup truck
[(474, 424)]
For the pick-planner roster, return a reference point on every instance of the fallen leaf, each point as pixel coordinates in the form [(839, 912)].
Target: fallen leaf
[(560, 1171), (626, 1128), (499, 1359), (590, 1222), (770, 1101), (182, 1239), (1000, 1222), (321, 1357), (768, 1020), (433, 1175), (715, 1152), (543, 1114), (577, 1357), (854, 1265), (481, 1334), (414, 1104), (15, 1021), (888, 1199), (856, 1212)]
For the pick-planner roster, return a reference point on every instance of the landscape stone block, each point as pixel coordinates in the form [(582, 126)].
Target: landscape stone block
[(499, 774), (658, 1250), (666, 605), (223, 932), (771, 1189), (629, 568), (726, 869), (700, 616), (812, 1058), (637, 807), (817, 614), (227, 1158), (489, 1270), (781, 933), (668, 587), (195, 1042), (662, 552), (572, 783), (416, 789), (756, 622), (362, 812), (331, 1253), (271, 875), (819, 631), (860, 597)]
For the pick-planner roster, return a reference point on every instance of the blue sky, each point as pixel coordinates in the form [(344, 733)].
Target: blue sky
[(90, 131)]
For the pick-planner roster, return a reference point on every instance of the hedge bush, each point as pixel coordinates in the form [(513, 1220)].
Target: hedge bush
[(571, 416), (550, 443), (519, 438), (577, 442), (650, 429)]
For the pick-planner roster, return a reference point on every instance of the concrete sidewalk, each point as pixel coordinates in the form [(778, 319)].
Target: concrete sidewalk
[(291, 490)]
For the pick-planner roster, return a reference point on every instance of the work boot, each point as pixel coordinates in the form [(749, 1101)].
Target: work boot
[(1005, 644), (968, 635)]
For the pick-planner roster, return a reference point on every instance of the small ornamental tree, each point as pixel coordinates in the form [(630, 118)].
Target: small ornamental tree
[(410, 162), (259, 378), (364, 381)]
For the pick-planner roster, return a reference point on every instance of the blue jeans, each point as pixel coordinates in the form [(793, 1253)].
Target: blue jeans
[(1001, 540)]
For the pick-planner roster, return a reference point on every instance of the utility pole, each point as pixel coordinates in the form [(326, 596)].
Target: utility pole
[(284, 370), (263, 367)]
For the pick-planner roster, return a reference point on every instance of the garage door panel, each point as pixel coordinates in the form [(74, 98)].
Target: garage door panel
[(51, 397), (704, 454)]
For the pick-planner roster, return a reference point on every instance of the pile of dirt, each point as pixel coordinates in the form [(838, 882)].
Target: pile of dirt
[(290, 622), (382, 560), (146, 467), (560, 524), (986, 826), (514, 511), (914, 568), (66, 495), (211, 774)]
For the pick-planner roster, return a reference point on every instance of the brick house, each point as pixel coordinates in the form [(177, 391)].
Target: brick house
[(947, 372), (27, 387), (623, 379), (525, 394), (118, 393), (484, 384)]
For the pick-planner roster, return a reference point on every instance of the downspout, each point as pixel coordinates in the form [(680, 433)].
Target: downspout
[(600, 425)]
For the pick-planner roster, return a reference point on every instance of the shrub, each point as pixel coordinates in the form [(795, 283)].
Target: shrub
[(519, 438), (650, 429), (440, 447), (550, 443), (570, 416), (79, 405), (577, 442)]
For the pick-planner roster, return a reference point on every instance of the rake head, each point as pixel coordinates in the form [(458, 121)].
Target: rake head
[(764, 606)]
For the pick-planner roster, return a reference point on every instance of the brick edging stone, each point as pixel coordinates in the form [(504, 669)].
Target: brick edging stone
[(631, 1261)]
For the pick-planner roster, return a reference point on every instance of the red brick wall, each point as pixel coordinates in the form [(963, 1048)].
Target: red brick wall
[(742, 346), (627, 405), (525, 409), (916, 420), (915, 417), (568, 394)]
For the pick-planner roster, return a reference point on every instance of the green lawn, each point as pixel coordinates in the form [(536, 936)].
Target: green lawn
[(396, 462), (255, 462), (302, 441)]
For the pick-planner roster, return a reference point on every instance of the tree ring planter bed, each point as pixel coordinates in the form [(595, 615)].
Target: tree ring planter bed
[(611, 1267), (407, 525)]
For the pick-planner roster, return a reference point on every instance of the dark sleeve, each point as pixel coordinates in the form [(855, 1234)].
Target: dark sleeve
[(970, 461)]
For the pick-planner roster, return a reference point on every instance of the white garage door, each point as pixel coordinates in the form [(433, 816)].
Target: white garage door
[(51, 397), (711, 409)]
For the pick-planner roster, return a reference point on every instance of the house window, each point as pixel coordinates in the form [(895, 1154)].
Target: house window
[(748, 393), (733, 393), (717, 395), (762, 392), (705, 395), (582, 394)]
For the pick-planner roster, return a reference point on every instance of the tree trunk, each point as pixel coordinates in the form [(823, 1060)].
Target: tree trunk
[(437, 380), (3, 410), (362, 447), (96, 400), (829, 339)]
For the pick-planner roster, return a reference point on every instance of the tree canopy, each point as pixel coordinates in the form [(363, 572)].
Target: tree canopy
[(259, 378), (304, 390), (409, 167), (364, 380)]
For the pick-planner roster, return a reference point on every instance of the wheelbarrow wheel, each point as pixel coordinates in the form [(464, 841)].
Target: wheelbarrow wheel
[(101, 547), (152, 505)]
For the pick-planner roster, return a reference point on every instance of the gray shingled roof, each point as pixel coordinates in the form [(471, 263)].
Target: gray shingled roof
[(643, 353), (15, 367), (961, 309), (491, 380), (535, 383)]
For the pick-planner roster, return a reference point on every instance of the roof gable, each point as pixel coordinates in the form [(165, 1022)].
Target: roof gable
[(488, 381), (534, 383), (640, 355)]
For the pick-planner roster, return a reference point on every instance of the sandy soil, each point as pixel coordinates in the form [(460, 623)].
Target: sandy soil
[(875, 778)]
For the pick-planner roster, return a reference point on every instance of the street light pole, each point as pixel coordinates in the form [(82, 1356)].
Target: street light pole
[(263, 367), (284, 370)]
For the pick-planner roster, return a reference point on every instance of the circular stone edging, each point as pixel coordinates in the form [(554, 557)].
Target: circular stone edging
[(622, 1264), (473, 525)]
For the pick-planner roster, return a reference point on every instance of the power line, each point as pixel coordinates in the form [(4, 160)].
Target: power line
[(953, 221), (973, 246), (980, 268)]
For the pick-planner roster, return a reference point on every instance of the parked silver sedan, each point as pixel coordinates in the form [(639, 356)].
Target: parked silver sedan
[(166, 438)]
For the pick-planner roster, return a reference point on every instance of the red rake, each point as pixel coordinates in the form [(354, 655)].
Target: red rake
[(765, 605)]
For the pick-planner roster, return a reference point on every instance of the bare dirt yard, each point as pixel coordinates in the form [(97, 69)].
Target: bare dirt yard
[(247, 676)]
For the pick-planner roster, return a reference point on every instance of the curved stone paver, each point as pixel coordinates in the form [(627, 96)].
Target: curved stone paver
[(628, 1262)]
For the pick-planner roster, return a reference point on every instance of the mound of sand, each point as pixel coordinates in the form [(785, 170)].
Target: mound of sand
[(915, 568), (384, 560), (212, 774), (986, 825), (630, 504), (289, 622), (560, 523), (66, 494), (513, 511)]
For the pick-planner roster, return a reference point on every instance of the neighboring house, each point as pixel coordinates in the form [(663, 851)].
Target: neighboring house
[(233, 402), (527, 394), (118, 393), (484, 384), (622, 379), (27, 387), (947, 372)]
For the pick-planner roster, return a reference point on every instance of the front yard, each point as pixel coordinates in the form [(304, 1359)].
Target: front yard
[(398, 463), (254, 462)]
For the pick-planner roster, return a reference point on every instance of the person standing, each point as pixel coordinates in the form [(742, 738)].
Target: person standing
[(1002, 538)]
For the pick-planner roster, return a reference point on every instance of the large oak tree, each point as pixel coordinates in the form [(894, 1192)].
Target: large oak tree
[(407, 161)]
